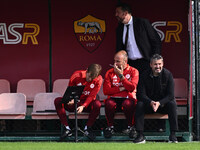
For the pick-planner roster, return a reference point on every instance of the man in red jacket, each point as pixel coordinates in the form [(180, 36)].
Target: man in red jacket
[(92, 81), (120, 85)]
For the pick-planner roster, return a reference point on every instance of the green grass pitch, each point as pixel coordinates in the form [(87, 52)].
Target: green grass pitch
[(98, 146)]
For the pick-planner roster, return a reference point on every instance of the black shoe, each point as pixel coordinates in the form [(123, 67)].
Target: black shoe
[(140, 139), (108, 132), (131, 132), (172, 138), (126, 131), (66, 133), (90, 134)]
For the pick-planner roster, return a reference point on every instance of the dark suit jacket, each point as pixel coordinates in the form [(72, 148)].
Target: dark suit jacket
[(147, 39)]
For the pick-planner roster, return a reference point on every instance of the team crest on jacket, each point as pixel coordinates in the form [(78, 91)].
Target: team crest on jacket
[(90, 32), (91, 86), (127, 76)]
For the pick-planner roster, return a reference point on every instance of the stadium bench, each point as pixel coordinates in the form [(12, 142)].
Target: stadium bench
[(43, 106), (4, 86), (30, 87), (181, 98), (12, 106), (60, 85)]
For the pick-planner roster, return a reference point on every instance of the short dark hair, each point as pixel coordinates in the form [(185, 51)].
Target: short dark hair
[(156, 57), (125, 7), (94, 70)]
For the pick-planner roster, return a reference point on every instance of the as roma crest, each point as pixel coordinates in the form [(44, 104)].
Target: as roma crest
[(90, 32)]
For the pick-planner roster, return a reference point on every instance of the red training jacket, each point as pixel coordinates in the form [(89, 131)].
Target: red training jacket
[(91, 88), (112, 83)]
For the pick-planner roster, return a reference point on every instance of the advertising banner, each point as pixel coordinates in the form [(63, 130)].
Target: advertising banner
[(83, 32)]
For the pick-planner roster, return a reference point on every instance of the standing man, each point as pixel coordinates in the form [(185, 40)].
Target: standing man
[(155, 93), (92, 80), (137, 37), (119, 85)]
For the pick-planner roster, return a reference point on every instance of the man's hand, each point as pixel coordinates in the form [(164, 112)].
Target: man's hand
[(155, 105), (80, 109), (71, 102), (118, 70), (122, 89)]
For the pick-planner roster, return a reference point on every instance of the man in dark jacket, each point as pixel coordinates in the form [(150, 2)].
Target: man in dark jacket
[(137, 37), (155, 93)]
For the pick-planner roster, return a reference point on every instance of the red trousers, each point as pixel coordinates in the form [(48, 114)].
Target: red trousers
[(127, 106), (93, 109)]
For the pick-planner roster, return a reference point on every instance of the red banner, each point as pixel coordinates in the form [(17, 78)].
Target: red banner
[(83, 32), (24, 40)]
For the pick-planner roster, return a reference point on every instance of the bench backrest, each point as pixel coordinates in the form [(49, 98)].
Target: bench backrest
[(60, 86), (4, 86), (12, 106), (30, 87)]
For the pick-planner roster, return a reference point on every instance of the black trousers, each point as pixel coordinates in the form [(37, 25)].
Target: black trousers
[(142, 108), (140, 64)]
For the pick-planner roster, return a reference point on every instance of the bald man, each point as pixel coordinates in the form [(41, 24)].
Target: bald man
[(120, 85)]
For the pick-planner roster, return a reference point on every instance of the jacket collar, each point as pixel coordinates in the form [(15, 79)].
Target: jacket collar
[(151, 73)]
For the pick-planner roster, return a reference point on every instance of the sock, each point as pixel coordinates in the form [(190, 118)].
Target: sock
[(67, 127)]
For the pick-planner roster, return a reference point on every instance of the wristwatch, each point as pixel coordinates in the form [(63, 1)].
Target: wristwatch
[(121, 76)]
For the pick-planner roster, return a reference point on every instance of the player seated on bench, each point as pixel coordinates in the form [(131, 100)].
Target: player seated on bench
[(155, 93), (119, 85), (92, 81)]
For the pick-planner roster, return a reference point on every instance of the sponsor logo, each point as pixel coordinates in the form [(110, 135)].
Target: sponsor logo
[(86, 92), (116, 82), (173, 30), (11, 35), (114, 79), (90, 32)]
